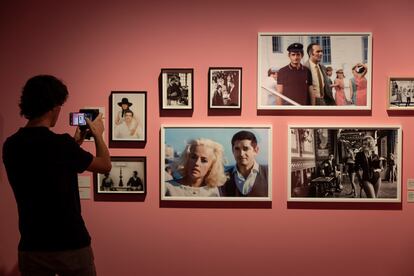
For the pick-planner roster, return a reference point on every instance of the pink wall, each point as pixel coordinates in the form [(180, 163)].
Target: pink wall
[(108, 45)]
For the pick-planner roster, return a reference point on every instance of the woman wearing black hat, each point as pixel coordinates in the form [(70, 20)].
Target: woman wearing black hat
[(125, 105)]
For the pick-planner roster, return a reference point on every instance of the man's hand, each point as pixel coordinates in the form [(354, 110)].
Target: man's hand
[(79, 136), (96, 126)]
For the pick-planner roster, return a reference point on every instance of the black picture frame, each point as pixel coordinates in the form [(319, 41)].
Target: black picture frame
[(229, 94), (124, 134), (121, 186), (177, 89)]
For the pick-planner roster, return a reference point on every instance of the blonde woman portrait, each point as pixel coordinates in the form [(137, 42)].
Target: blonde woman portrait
[(202, 169)]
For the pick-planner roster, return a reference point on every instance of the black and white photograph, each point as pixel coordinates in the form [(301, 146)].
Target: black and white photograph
[(225, 88), (216, 163), (400, 93), (314, 71), (177, 88), (127, 176), (127, 117), (344, 164)]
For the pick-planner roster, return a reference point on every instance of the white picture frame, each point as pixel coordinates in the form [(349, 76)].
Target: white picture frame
[(308, 183), (174, 143), (341, 51)]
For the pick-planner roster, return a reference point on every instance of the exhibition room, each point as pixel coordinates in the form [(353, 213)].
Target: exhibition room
[(209, 137)]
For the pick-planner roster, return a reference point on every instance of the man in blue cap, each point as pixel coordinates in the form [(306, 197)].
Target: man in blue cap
[(294, 80)]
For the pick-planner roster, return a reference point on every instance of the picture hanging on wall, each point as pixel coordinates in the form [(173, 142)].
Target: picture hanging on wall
[(127, 176), (210, 163), (400, 93), (177, 89), (314, 71), (224, 88), (344, 164), (128, 118)]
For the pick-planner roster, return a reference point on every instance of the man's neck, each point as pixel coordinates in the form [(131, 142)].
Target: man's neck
[(245, 170), (314, 62), (297, 65), (38, 122)]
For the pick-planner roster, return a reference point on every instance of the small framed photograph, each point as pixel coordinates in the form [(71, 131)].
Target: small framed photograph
[(177, 88), (314, 71), (128, 118), (216, 163), (344, 164), (127, 177), (400, 93), (224, 88)]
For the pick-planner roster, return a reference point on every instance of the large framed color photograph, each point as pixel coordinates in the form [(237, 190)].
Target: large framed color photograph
[(128, 121), (314, 71), (344, 164), (216, 163)]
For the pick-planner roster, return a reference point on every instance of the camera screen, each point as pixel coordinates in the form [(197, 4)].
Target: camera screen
[(78, 118)]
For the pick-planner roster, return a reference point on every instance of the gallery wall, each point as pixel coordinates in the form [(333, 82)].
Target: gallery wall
[(97, 47)]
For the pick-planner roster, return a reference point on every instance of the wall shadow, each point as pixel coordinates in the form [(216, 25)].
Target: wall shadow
[(343, 113), (217, 204), (345, 205)]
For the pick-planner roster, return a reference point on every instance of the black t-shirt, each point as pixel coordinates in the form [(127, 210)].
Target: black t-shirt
[(42, 168)]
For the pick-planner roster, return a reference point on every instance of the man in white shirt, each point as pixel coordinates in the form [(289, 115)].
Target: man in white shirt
[(248, 178), (129, 128)]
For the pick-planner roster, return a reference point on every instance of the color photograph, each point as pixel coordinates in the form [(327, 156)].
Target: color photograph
[(213, 163), (314, 71)]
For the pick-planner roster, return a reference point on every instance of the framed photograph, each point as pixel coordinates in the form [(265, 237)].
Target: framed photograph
[(216, 163), (314, 71), (177, 88), (128, 118), (224, 86), (344, 164), (400, 93), (128, 176)]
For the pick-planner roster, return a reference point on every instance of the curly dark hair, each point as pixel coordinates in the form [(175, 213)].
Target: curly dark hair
[(41, 94)]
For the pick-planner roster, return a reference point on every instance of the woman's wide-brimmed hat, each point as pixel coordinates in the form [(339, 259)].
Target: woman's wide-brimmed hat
[(124, 101)]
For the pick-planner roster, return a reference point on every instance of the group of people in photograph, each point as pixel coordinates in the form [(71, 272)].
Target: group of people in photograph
[(363, 166), (134, 183), (224, 88), (127, 125), (310, 82), (177, 94), (402, 93), (201, 170)]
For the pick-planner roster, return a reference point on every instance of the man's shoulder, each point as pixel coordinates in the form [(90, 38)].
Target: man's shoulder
[(284, 69)]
